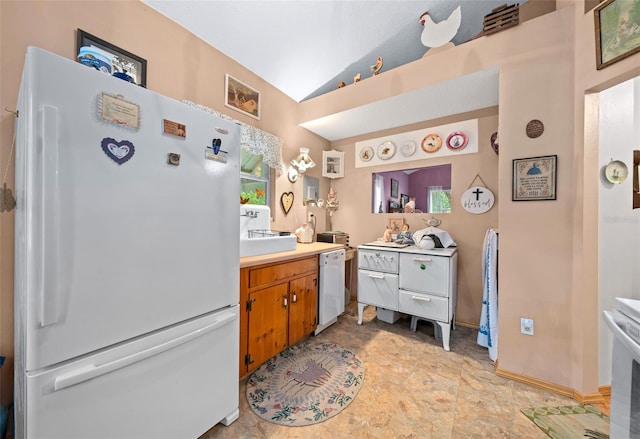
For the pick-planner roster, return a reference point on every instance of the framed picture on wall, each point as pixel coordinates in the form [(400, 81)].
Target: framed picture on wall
[(534, 178), (404, 199), (617, 30), (396, 223), (394, 188), (241, 97), (101, 55)]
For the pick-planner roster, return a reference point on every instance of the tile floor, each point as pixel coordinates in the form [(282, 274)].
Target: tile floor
[(412, 389)]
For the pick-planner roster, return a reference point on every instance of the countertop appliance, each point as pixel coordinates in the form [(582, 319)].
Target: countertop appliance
[(334, 238), (126, 284), (624, 322), (331, 293)]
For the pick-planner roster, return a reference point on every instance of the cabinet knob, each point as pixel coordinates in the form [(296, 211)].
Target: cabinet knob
[(285, 301), (294, 298)]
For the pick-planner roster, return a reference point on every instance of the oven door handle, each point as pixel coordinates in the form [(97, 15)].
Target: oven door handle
[(620, 335)]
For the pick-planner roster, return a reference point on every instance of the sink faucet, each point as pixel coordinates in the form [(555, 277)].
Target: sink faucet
[(250, 213)]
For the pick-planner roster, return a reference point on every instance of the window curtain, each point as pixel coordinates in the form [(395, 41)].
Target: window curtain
[(377, 194), (253, 140)]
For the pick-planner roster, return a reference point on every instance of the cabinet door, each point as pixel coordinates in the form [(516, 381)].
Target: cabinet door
[(425, 274), (267, 323), (379, 289), (303, 308)]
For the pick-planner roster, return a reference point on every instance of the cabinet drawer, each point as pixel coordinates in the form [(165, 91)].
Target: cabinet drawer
[(272, 273), (424, 273), (423, 305), (378, 260), (379, 289)]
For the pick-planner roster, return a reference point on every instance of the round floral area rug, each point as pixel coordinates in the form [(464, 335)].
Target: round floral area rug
[(305, 384)]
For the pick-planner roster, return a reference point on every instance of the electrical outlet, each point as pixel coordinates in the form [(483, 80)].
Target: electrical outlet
[(526, 326), (309, 217)]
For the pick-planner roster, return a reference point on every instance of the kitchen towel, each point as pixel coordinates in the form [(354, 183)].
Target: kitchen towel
[(488, 331)]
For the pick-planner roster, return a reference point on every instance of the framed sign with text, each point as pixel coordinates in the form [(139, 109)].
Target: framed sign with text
[(534, 178)]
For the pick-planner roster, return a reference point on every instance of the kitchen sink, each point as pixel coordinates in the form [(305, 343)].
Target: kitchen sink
[(256, 237), (266, 245)]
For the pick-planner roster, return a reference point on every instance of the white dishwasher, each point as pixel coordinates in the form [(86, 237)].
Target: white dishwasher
[(331, 292)]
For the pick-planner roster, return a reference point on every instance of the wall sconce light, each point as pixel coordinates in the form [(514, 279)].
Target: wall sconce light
[(300, 164)]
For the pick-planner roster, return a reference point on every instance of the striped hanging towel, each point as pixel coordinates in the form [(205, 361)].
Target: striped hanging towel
[(488, 331)]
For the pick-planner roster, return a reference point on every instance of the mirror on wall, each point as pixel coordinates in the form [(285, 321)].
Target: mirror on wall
[(310, 189), (415, 190)]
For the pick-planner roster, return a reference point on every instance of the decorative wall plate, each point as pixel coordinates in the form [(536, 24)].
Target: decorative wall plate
[(535, 128), (386, 150), (431, 143), (494, 142), (477, 199), (366, 154), (616, 171), (457, 140), (408, 148)]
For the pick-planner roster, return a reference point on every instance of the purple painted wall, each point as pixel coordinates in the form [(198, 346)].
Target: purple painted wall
[(433, 176), (414, 184)]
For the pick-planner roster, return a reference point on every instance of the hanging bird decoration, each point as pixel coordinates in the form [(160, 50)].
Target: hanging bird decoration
[(341, 84), (357, 78), (375, 69), (439, 34)]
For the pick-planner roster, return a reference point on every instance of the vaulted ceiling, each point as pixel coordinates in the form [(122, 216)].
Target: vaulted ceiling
[(304, 47)]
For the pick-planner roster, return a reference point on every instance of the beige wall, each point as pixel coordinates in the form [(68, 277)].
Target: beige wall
[(179, 65), (548, 259), (355, 217)]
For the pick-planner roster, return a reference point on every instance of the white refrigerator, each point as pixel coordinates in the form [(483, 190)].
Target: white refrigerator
[(126, 259)]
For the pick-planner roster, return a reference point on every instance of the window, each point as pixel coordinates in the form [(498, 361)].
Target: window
[(439, 199), (255, 179)]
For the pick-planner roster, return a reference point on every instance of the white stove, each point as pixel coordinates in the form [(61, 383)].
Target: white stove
[(624, 322)]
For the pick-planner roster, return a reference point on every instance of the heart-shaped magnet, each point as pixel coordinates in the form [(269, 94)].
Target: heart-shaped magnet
[(119, 152), (287, 201)]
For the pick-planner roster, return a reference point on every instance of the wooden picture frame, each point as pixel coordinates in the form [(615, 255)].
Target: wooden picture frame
[(534, 178), (241, 97), (122, 61), (395, 224), (394, 188), (617, 32)]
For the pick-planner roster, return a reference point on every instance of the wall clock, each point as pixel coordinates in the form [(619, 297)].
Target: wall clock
[(457, 140), (431, 143)]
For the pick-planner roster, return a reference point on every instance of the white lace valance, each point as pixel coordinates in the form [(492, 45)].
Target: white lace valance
[(253, 140)]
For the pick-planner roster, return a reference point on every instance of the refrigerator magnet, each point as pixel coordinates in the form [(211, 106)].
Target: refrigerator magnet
[(173, 159), (174, 128), (214, 152), (116, 110), (118, 151)]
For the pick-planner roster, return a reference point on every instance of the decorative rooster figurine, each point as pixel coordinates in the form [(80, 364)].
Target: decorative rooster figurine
[(375, 69), (439, 34), (357, 78)]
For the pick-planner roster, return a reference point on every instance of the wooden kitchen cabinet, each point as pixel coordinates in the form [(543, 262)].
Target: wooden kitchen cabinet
[(279, 308)]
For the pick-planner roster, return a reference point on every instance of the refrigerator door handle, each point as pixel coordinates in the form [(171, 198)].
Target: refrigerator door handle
[(51, 217), (91, 371)]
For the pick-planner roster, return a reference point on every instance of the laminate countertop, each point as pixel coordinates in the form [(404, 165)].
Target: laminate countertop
[(301, 251)]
